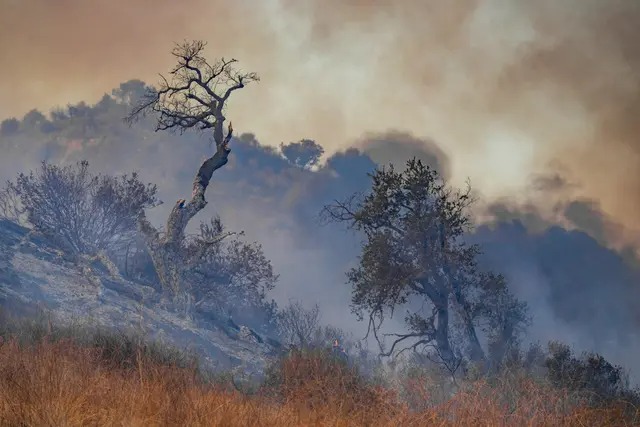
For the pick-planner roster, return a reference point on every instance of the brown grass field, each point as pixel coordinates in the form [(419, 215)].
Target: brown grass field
[(65, 384)]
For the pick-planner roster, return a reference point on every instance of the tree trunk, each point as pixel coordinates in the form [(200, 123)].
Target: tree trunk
[(438, 294), (167, 252), (476, 353), (442, 338), (442, 331)]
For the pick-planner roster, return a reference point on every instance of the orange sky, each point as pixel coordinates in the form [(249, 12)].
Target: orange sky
[(505, 87)]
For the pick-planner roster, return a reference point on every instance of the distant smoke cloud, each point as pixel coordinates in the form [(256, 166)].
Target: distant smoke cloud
[(578, 291), (396, 148)]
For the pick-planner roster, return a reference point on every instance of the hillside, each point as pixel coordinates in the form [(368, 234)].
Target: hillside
[(35, 276), (61, 383)]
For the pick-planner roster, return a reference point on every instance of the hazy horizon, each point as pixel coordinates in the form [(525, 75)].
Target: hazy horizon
[(507, 89)]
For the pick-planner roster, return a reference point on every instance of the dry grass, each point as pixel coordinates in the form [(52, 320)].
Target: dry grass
[(64, 384)]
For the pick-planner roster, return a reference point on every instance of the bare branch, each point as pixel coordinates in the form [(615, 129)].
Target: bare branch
[(401, 338), (195, 94), (298, 325), (205, 244), (342, 211), (221, 237)]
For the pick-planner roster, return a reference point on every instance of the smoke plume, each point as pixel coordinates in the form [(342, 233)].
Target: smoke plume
[(506, 87)]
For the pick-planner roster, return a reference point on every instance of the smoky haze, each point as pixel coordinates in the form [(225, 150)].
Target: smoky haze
[(503, 86), (536, 102), (558, 259)]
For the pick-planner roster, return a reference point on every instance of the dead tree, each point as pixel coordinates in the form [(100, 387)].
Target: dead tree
[(192, 97)]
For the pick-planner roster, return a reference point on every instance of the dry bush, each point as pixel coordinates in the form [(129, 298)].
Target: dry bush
[(61, 384), (297, 325), (54, 384), (510, 398), (316, 380), (81, 211), (49, 383), (525, 403), (118, 348), (10, 206)]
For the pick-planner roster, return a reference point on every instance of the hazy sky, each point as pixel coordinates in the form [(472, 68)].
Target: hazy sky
[(504, 87)]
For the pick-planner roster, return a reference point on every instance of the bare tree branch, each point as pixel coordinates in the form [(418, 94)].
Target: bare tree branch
[(298, 325), (196, 93), (400, 339), (204, 245)]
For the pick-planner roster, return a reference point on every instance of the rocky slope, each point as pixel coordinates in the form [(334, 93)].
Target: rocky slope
[(35, 274)]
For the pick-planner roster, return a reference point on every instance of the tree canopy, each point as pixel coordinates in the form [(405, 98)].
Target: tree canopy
[(415, 257)]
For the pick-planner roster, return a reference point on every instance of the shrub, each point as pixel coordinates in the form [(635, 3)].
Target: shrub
[(316, 379), (10, 206), (122, 349), (70, 381), (297, 325), (301, 328), (591, 375), (231, 276), (80, 211)]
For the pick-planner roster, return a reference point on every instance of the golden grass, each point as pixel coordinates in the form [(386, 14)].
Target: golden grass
[(63, 384)]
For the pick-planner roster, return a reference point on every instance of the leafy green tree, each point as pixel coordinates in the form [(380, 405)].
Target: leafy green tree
[(415, 257)]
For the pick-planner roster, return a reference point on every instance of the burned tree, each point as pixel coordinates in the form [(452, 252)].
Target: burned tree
[(298, 326), (415, 258), (192, 97)]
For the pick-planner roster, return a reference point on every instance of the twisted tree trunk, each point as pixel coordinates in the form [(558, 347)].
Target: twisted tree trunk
[(167, 252), (192, 97)]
